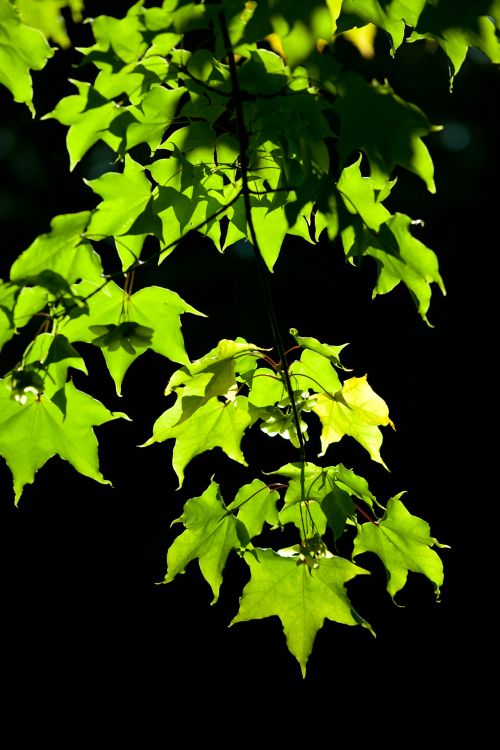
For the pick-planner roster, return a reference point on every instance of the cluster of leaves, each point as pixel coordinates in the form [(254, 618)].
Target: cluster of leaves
[(254, 133)]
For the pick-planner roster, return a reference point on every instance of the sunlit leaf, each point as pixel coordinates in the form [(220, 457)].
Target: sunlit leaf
[(34, 431), (403, 543), (302, 598), (22, 49)]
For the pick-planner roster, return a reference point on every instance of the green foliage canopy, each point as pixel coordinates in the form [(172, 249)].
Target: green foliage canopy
[(257, 133)]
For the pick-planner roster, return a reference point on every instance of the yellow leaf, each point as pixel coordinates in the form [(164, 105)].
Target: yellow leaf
[(276, 45), (363, 39)]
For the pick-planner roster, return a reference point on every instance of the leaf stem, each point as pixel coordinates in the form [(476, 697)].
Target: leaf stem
[(244, 168)]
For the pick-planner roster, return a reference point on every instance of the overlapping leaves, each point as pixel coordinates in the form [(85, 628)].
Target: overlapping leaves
[(322, 149)]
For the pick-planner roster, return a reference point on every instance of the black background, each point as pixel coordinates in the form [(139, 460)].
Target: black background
[(79, 561)]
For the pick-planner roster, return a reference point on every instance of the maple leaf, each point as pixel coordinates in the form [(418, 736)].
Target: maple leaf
[(300, 596), (403, 543), (388, 129), (356, 411), (154, 311), (212, 425), (35, 430), (22, 49), (255, 504), (125, 196), (212, 531), (64, 250)]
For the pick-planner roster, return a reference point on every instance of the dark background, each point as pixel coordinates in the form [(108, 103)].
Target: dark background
[(79, 561)]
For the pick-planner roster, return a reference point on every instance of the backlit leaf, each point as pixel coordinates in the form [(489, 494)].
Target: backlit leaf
[(22, 49), (125, 196), (34, 431), (385, 127), (357, 412), (211, 532), (302, 598), (212, 425), (155, 309), (403, 543)]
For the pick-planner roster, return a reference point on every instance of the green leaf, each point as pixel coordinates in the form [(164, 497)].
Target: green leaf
[(326, 350), (255, 504), (34, 431), (457, 26), (122, 35), (156, 309), (323, 489), (400, 257), (196, 142), (390, 16), (53, 355), (319, 481), (385, 127), (299, 25), (359, 197), (63, 250), (212, 531), (306, 515), (263, 71), (154, 115), (338, 507), (46, 16), (22, 49), (271, 227), (403, 543), (267, 388), (212, 425), (125, 196), (300, 596), (8, 294), (89, 115), (314, 372), (218, 370), (356, 411)]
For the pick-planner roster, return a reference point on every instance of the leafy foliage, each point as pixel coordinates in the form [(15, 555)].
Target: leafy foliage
[(257, 134)]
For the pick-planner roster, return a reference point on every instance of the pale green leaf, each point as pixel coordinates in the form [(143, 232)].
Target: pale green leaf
[(359, 197), (267, 388), (46, 16), (271, 228), (53, 355), (123, 35), (357, 411), (22, 49), (196, 142), (319, 481), (89, 116), (211, 532), (221, 364), (403, 543), (212, 425), (326, 350), (255, 504), (314, 372), (154, 115), (63, 250), (125, 196), (302, 598), (32, 432), (306, 515), (389, 15), (155, 309)]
